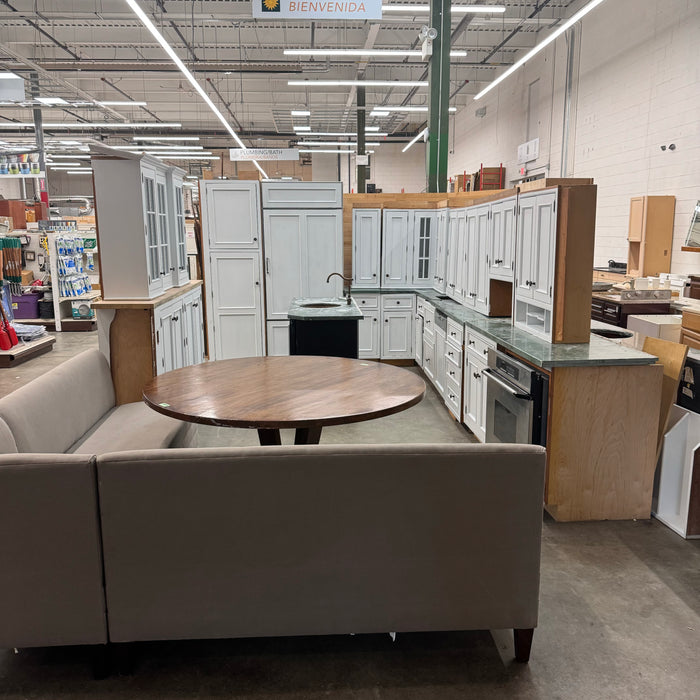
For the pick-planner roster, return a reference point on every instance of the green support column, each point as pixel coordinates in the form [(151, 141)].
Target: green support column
[(361, 169), (439, 77)]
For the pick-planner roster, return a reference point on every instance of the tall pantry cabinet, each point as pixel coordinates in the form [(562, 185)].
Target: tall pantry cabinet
[(263, 246), (232, 253), (303, 244)]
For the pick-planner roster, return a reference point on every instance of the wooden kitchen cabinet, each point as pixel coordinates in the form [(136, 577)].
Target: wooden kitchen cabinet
[(650, 235), (439, 251), (502, 247)]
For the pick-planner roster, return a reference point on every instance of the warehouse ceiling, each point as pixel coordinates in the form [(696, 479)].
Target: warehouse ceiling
[(88, 51)]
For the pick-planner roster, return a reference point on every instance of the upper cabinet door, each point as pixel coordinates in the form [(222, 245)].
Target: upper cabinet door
[(468, 258), (302, 195), (544, 241), (462, 280), (283, 260), (366, 242), (524, 271), (508, 238), (637, 217), (232, 218), (453, 251), (496, 247), (397, 251), (440, 252), (322, 253), (424, 225), (480, 284)]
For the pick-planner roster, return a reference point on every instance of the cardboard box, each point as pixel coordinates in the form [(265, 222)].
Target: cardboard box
[(27, 277)]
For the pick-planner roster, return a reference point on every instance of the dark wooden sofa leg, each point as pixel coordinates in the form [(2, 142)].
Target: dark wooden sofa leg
[(523, 644)]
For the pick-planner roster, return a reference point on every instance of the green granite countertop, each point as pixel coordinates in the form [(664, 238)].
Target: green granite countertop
[(599, 351), (341, 312)]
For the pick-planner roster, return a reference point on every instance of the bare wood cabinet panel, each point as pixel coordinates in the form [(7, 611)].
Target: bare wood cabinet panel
[(602, 442)]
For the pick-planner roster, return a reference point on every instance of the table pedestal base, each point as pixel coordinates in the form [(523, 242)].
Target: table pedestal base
[(303, 436)]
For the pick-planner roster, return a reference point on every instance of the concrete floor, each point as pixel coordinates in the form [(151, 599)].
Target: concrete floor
[(619, 618)]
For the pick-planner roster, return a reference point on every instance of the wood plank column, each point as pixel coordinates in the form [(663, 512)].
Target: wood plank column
[(439, 79)]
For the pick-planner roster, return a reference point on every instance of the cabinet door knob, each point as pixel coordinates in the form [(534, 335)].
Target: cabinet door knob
[(255, 239), (386, 320), (175, 318), (387, 274), (374, 274)]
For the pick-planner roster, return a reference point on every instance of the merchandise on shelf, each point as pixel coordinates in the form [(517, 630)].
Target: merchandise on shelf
[(73, 281)]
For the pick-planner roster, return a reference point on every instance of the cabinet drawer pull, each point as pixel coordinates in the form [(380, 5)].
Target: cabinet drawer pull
[(451, 354), (196, 304), (471, 342), (398, 302), (452, 374), (386, 320), (175, 318), (476, 375), (486, 352)]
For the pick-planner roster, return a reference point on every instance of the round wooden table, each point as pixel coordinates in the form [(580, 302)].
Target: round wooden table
[(296, 391)]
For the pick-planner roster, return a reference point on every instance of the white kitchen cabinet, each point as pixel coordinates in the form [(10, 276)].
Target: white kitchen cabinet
[(193, 324), (278, 338), (397, 328), (179, 332), (135, 225), (397, 247), (418, 340), (456, 238), (231, 210), (424, 225), (439, 249), (178, 238), (474, 399), (302, 195), (479, 249), (366, 247), (369, 340), (301, 249), (535, 261), (502, 247), (429, 356), (439, 379), (233, 268), (235, 318)]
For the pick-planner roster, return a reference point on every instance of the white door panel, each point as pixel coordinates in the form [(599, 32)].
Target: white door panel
[(283, 261), (366, 242), (232, 214), (322, 253), (396, 241)]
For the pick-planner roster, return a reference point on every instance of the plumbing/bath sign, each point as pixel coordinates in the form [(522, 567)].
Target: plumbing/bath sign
[(317, 9), (264, 153)]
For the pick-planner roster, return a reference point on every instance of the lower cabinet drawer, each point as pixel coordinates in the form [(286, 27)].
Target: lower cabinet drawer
[(690, 338), (455, 332), (453, 372), (392, 302), (479, 345), (453, 398), (366, 301), (452, 354)]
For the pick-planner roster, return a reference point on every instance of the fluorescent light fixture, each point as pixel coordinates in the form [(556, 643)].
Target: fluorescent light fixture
[(70, 143), (302, 128), (366, 83), (154, 152), (191, 177), (372, 128), (333, 143), (379, 111), (94, 125), (300, 113), (416, 138), (157, 146), (342, 133), (57, 156), (545, 42), (78, 172), (362, 52), (322, 150), (123, 103), (165, 138), (189, 156), (51, 100), (185, 71), (61, 166), (456, 9)]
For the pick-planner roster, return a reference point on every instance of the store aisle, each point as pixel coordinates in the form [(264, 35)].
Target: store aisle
[(67, 345)]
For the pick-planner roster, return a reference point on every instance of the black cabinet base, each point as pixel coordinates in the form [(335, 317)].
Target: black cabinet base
[(330, 338)]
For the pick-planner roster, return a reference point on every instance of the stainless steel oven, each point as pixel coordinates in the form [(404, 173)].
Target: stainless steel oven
[(516, 401)]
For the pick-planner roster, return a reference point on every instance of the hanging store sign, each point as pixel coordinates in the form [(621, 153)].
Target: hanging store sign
[(317, 9), (264, 153)]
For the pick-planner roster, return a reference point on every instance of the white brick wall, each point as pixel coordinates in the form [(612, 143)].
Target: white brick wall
[(638, 88), (390, 169)]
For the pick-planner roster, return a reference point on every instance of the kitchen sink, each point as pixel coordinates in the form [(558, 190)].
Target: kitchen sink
[(609, 333), (320, 305), (443, 296)]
